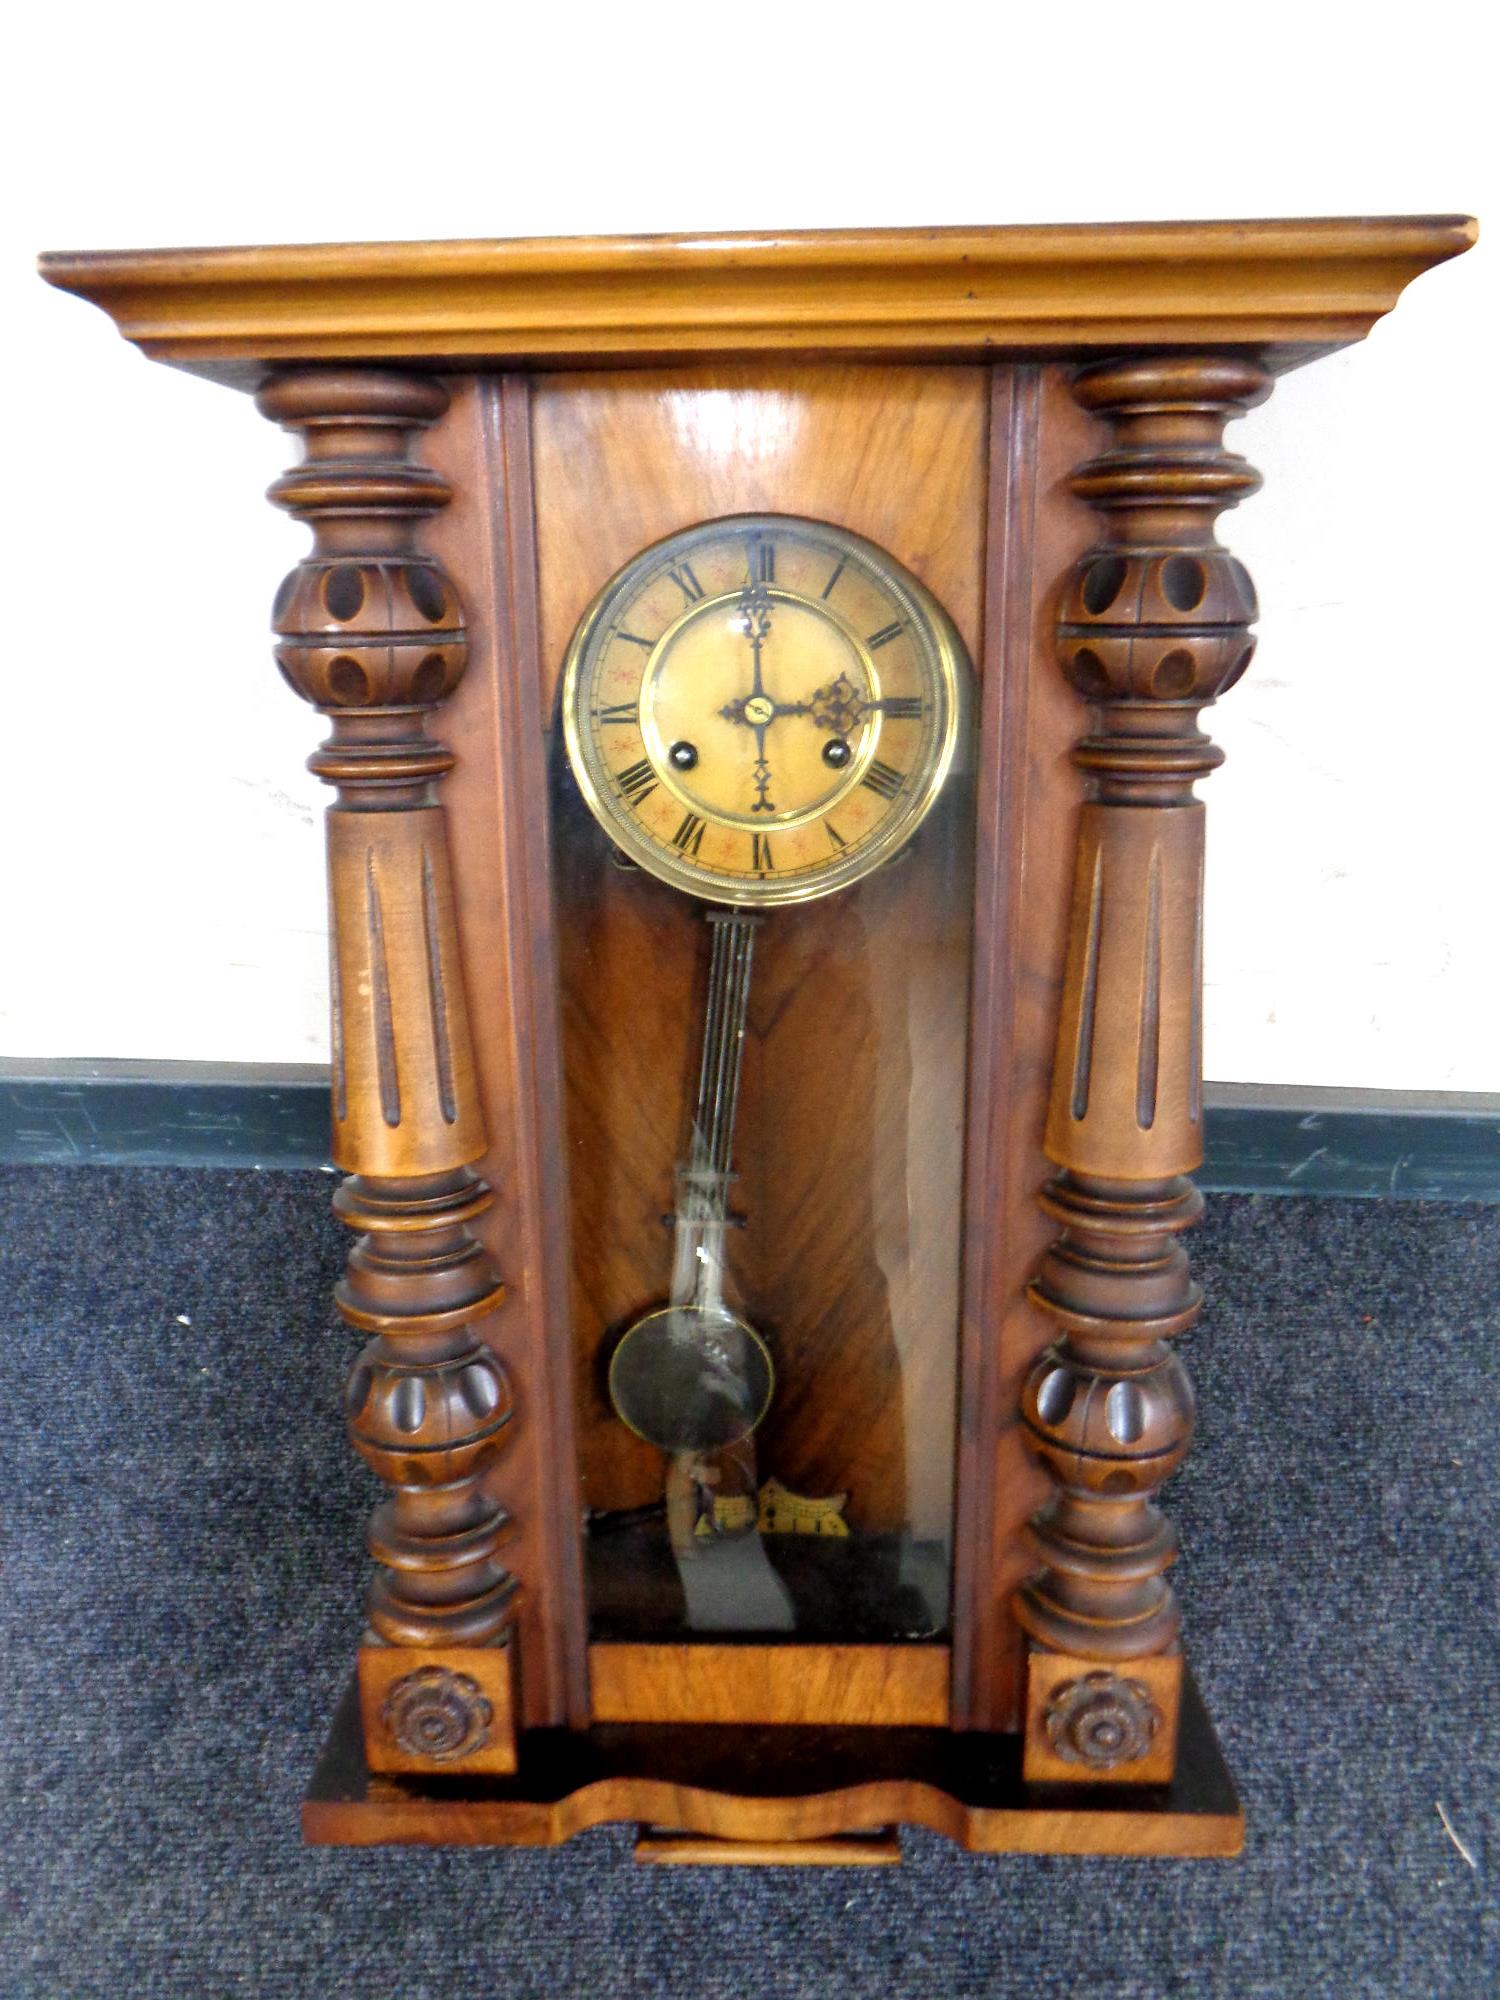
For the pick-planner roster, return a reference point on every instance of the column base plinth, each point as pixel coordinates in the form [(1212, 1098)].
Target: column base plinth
[(445, 1710)]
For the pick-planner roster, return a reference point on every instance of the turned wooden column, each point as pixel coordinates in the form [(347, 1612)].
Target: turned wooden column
[(1153, 627), (371, 631)]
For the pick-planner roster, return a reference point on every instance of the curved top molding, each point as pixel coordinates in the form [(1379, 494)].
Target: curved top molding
[(1285, 290)]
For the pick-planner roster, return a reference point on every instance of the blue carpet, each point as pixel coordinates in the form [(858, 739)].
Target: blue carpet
[(179, 1608)]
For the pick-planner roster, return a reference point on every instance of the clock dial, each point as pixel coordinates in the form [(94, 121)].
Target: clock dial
[(762, 709)]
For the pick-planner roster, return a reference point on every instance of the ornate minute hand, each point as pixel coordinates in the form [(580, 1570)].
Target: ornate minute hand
[(757, 709)]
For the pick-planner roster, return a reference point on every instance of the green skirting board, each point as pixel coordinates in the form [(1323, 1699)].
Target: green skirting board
[(1262, 1138)]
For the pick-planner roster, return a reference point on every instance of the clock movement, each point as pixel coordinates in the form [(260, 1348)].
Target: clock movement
[(763, 680)]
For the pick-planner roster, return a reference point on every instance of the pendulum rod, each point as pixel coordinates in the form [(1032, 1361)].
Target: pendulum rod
[(724, 1035), (702, 1193), (728, 1585)]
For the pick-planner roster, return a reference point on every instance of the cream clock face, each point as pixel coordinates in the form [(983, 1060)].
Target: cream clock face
[(762, 709)]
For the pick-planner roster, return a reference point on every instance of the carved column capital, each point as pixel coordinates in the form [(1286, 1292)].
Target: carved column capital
[(1154, 621), (366, 620)]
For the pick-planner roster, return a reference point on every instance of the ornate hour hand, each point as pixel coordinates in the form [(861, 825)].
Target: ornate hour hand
[(841, 708)]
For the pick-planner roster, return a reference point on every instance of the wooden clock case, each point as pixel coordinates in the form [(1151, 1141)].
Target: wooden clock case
[(1031, 420)]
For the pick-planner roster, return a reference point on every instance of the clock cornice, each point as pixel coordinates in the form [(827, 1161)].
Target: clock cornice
[(1285, 291)]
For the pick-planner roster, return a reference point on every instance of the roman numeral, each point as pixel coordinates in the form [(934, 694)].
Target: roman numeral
[(637, 782), (901, 707), (882, 779), (689, 836), (838, 570), (833, 833), (635, 641), (763, 562), (884, 636), (760, 853), (624, 711), (682, 575)]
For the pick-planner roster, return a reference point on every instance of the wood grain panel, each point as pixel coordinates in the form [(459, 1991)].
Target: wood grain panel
[(855, 1686), (1029, 800), (625, 458), (497, 797), (850, 1850), (852, 1107)]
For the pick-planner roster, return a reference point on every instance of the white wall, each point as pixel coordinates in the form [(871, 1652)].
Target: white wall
[(163, 886)]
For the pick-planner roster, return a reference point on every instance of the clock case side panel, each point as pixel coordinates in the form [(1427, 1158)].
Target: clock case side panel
[(497, 800), (1028, 803)]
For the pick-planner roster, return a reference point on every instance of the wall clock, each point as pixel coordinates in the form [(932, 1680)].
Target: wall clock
[(763, 681)]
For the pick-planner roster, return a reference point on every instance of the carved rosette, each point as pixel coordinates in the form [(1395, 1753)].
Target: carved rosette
[(1101, 1720), (1152, 627), (370, 630), (437, 1715)]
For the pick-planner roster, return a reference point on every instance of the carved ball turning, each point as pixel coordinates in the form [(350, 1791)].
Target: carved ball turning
[(1101, 1720), (1156, 625), (370, 633), (1110, 1432), (437, 1714), (426, 1426)]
